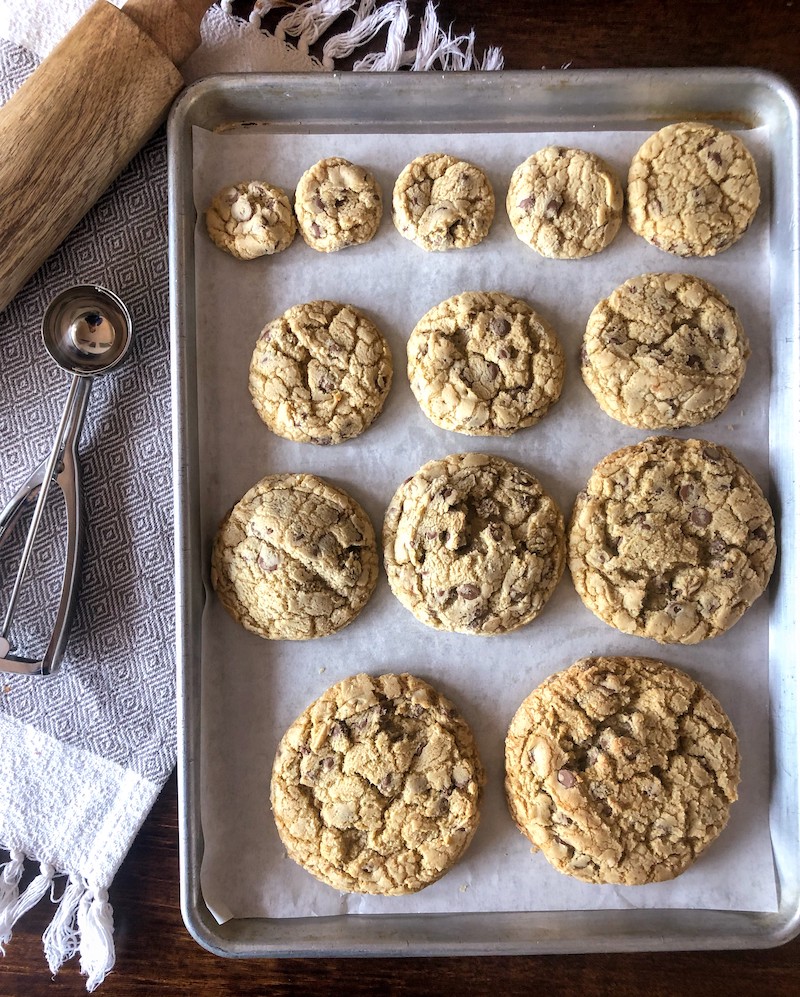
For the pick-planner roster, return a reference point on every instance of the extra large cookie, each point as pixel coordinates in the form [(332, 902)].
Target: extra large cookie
[(338, 204), (251, 219), (485, 364), (564, 203), (376, 786), (320, 373), (621, 770), (295, 558), (671, 539), (692, 189), (440, 202), (472, 544), (664, 350)]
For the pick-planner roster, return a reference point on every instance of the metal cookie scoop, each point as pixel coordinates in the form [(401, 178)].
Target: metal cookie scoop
[(87, 331)]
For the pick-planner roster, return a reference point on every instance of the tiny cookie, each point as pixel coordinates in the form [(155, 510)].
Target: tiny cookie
[(295, 558), (485, 364), (252, 219), (440, 202), (337, 204), (621, 770), (320, 373), (473, 545), (564, 203), (671, 539), (692, 189), (664, 350), (376, 786)]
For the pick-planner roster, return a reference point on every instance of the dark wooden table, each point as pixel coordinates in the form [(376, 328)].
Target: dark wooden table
[(154, 951)]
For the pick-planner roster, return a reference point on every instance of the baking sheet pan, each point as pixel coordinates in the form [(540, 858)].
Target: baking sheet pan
[(486, 105)]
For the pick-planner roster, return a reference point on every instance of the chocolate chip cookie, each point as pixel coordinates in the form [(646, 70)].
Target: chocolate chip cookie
[(440, 202), (693, 189), (338, 204), (376, 786), (564, 203), (664, 350), (472, 544), (671, 539), (251, 219), (484, 364), (295, 558), (320, 373), (621, 770)]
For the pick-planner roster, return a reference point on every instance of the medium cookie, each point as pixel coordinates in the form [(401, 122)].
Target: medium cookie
[(671, 539), (320, 373), (440, 202), (376, 786), (473, 545), (621, 770), (252, 219), (692, 189), (485, 364), (337, 204), (664, 350), (564, 203), (295, 558)]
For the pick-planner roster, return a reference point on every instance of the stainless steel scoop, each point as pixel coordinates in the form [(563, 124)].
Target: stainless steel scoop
[(87, 330)]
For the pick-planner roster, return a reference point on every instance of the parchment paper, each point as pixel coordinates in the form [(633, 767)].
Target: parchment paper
[(253, 689)]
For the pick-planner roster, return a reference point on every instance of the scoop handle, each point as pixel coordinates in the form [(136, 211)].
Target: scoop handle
[(79, 119)]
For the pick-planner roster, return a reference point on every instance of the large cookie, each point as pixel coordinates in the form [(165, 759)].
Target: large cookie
[(251, 219), (440, 202), (621, 770), (692, 189), (320, 373), (295, 558), (664, 350), (376, 786), (485, 364), (338, 204), (564, 203), (671, 539), (472, 544)]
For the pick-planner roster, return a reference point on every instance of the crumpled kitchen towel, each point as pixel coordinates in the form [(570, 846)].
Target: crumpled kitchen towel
[(85, 752)]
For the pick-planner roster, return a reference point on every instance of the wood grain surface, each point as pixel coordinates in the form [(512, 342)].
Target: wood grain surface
[(155, 953)]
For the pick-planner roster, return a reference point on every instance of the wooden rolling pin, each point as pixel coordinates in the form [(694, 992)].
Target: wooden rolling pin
[(80, 118)]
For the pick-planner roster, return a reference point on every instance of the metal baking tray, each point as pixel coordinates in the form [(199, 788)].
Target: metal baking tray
[(490, 102)]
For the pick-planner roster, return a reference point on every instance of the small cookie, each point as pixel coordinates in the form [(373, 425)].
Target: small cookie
[(440, 202), (671, 539), (564, 203), (473, 545), (295, 558), (621, 770), (252, 219), (376, 786), (692, 189), (320, 373), (664, 350), (484, 364), (337, 204)]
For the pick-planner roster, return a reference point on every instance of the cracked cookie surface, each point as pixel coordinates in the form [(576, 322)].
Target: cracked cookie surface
[(251, 219), (472, 544), (664, 350), (564, 203), (295, 558), (338, 204), (484, 364), (320, 373), (440, 202), (671, 539), (621, 770), (376, 786), (693, 189)]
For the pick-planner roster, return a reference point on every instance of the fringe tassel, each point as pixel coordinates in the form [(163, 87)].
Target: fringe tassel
[(37, 888), (10, 876), (96, 930), (309, 20), (60, 937)]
